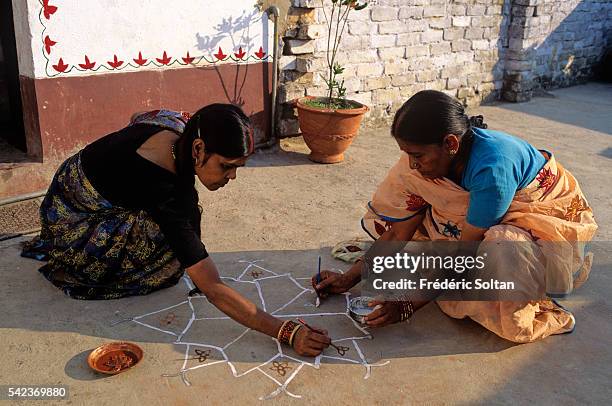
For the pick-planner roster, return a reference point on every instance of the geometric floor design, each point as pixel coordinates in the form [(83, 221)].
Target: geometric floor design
[(209, 337)]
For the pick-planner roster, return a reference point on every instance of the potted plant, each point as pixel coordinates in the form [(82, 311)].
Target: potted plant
[(329, 124)]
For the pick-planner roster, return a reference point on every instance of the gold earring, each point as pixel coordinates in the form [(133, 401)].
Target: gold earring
[(452, 152)]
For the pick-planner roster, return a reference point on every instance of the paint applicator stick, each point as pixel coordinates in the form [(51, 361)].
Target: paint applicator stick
[(303, 323), (318, 301)]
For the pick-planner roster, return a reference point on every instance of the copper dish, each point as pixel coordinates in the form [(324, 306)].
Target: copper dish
[(114, 358)]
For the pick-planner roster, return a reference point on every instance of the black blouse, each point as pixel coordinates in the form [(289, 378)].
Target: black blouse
[(128, 180)]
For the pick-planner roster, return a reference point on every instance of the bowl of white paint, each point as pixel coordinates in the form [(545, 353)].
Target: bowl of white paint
[(359, 309)]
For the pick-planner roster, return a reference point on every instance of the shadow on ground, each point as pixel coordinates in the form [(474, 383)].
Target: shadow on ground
[(42, 307), (586, 106)]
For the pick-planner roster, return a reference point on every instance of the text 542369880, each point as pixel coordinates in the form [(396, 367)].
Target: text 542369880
[(24, 392)]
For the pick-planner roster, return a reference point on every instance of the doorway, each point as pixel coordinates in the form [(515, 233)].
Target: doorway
[(12, 135)]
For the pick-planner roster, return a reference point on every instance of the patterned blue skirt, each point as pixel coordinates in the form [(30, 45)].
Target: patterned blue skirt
[(95, 250)]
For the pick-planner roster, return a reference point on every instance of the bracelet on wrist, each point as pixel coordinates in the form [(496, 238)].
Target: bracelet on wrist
[(286, 334), (406, 308)]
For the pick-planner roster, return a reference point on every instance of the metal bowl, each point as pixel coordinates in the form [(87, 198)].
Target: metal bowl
[(359, 309), (114, 358)]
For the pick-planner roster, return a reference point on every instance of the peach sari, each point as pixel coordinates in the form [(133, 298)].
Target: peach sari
[(552, 208)]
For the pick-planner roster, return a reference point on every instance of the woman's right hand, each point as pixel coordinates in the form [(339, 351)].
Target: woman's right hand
[(331, 282), (310, 343)]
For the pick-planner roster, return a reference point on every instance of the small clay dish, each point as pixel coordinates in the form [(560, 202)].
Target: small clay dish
[(114, 358), (359, 309)]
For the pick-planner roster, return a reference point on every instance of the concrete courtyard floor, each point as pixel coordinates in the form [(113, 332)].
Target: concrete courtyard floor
[(283, 209)]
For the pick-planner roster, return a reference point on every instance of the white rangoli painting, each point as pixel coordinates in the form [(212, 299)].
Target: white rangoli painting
[(209, 337)]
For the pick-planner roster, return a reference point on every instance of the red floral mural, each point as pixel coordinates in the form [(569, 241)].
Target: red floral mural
[(60, 66)]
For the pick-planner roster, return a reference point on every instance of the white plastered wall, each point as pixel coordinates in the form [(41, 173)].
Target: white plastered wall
[(76, 38)]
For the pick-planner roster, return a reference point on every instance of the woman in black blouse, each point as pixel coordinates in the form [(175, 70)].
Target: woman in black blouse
[(121, 217)]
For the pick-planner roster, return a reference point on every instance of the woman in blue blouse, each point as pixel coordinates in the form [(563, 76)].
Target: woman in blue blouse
[(459, 181)]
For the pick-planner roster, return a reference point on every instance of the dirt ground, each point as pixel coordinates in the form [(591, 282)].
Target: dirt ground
[(284, 210)]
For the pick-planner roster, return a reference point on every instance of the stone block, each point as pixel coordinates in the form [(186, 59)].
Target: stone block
[(289, 92), (396, 67), (384, 13), (461, 45), (474, 33), (393, 27), (312, 31), (435, 11), (427, 76), (362, 56), (419, 50), (370, 69), (432, 36), (300, 16), (386, 96), (439, 22), (452, 34), (287, 63), (299, 47), (458, 9), (409, 39), (417, 25), (381, 41), (391, 54), (461, 21), (309, 64), (381, 82), (403, 80), (476, 9), (306, 3), (411, 12), (455, 83), (361, 28), (361, 97), (440, 48)]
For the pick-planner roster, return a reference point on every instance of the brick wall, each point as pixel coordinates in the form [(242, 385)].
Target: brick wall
[(554, 43), (476, 50)]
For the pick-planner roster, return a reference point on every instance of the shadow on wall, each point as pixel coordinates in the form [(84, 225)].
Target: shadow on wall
[(238, 30)]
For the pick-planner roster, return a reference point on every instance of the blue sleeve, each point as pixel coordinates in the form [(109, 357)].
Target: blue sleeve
[(492, 192)]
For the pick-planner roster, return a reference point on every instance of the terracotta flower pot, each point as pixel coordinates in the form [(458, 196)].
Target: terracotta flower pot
[(328, 132)]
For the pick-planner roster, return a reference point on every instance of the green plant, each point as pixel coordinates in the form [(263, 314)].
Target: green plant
[(336, 19)]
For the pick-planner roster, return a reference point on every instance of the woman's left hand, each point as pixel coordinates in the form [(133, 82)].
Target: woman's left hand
[(385, 313)]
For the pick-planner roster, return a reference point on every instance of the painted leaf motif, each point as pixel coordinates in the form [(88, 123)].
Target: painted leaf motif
[(48, 10), (240, 54), (115, 63), (220, 55), (48, 44), (188, 58), (260, 54), (88, 64), (140, 61), (165, 59), (61, 66)]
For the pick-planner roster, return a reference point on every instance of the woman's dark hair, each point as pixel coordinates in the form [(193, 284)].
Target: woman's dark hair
[(225, 130), (429, 115)]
